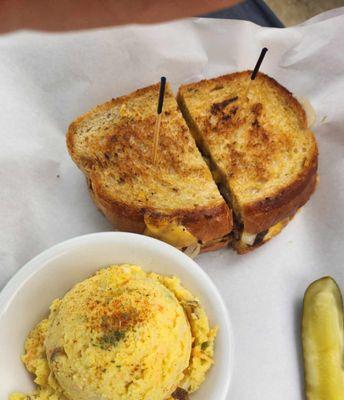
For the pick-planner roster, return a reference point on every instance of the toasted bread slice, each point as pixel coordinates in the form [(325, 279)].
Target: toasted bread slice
[(176, 199), (261, 151)]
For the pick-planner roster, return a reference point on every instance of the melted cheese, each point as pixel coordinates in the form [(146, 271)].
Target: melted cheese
[(275, 230), (248, 238), (169, 231)]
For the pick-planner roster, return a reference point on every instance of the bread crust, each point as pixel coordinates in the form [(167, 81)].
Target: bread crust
[(265, 213), (208, 224), (120, 215), (215, 246)]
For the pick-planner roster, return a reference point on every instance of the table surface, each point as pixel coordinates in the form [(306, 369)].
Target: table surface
[(250, 10)]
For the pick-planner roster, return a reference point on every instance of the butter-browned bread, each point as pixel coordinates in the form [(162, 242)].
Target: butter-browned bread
[(261, 151), (176, 199)]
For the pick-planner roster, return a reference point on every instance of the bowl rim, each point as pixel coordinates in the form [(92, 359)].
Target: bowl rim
[(33, 266)]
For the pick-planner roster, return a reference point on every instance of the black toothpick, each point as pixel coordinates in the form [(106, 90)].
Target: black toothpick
[(259, 63), (161, 94), (158, 120), (255, 71)]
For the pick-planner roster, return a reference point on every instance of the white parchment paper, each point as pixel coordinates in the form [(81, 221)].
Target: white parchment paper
[(46, 80)]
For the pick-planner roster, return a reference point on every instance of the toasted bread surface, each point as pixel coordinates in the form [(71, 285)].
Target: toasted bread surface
[(113, 145), (258, 142)]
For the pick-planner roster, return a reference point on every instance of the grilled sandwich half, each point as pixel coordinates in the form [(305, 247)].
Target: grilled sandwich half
[(262, 154), (176, 199)]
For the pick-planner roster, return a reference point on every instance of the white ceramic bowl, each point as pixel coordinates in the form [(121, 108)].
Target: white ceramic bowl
[(26, 298)]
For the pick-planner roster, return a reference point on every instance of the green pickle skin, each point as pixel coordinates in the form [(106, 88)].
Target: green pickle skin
[(323, 341)]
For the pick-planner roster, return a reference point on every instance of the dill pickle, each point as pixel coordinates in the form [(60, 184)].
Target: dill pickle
[(323, 341)]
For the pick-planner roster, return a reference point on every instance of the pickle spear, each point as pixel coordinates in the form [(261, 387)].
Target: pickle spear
[(323, 341)]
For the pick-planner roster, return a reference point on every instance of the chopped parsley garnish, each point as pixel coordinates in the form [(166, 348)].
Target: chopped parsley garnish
[(204, 345), (111, 339)]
